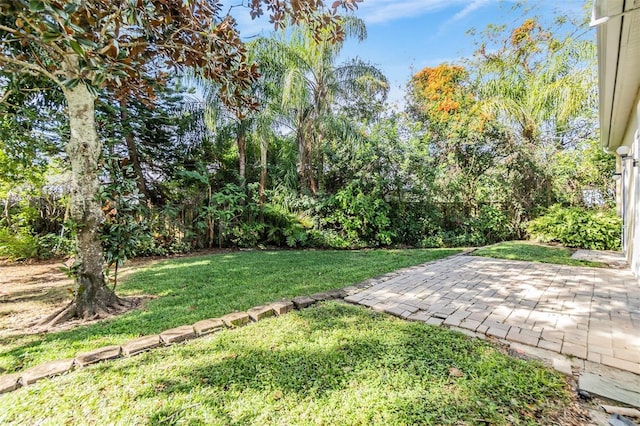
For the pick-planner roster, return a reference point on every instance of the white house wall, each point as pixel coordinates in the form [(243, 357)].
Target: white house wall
[(631, 185)]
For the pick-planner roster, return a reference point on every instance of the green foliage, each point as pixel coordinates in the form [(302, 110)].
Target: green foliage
[(193, 288), (124, 211), (329, 364), (532, 252), (578, 227), (17, 245), (284, 228), (56, 245), (359, 218), (483, 147)]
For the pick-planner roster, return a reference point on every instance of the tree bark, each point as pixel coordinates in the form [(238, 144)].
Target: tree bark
[(305, 166), (132, 150), (92, 297), (264, 147), (242, 153)]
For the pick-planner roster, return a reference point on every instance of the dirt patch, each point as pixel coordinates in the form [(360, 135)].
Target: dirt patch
[(31, 291)]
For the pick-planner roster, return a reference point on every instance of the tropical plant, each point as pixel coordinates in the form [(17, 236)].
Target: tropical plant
[(314, 86), (83, 47)]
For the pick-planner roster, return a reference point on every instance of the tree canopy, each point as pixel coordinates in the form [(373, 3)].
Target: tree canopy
[(171, 134)]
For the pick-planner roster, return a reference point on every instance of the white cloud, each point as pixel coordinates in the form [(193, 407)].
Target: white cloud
[(378, 11), (470, 8)]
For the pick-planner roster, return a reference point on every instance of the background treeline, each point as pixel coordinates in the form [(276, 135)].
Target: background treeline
[(481, 149)]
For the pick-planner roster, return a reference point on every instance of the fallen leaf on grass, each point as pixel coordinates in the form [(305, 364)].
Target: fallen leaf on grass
[(454, 372)]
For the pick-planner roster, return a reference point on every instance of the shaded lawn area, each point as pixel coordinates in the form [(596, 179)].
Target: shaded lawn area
[(195, 288), (330, 364), (532, 252)]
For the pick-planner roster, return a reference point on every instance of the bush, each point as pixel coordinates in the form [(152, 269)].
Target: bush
[(284, 228), (360, 219), (17, 245), (578, 227), (55, 245)]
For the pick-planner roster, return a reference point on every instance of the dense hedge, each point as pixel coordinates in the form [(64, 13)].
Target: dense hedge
[(578, 227)]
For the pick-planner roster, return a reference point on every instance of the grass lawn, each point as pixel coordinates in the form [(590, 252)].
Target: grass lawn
[(532, 252), (195, 288), (332, 364)]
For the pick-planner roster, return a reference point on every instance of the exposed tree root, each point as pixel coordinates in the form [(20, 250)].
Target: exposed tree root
[(99, 310)]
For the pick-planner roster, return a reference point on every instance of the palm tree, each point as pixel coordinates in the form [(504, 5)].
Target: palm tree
[(314, 88), (537, 84)]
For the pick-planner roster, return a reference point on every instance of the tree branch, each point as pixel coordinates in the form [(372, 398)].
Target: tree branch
[(34, 69)]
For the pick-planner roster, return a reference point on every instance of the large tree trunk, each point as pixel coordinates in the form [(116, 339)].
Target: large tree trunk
[(92, 297)]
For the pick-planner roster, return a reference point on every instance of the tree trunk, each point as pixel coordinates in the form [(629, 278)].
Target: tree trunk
[(305, 167), (242, 153), (132, 150), (92, 296), (264, 147)]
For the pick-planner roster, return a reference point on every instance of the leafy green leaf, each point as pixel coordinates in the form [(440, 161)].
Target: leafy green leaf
[(36, 6), (70, 83), (76, 47)]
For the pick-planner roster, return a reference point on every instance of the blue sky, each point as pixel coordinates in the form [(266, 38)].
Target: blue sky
[(405, 36)]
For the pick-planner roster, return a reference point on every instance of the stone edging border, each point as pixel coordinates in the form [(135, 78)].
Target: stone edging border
[(11, 382)]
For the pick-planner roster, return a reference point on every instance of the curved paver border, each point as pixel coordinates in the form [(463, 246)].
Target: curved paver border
[(11, 382)]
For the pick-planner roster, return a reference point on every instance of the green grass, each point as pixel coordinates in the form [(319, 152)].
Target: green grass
[(196, 288), (330, 364), (532, 252)]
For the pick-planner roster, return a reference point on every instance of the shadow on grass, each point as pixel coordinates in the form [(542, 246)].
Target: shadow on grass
[(533, 252), (191, 289), (352, 366)]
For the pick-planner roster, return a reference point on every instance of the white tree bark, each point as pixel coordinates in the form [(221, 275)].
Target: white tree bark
[(92, 296)]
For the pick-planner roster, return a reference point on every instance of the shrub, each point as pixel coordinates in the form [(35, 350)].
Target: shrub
[(17, 245), (359, 218), (578, 227), (55, 245), (284, 228)]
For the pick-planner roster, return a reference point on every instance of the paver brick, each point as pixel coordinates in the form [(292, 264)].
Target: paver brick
[(563, 366), (453, 321), (628, 355), (261, 312), (622, 364), (523, 337), (9, 383), (337, 293), (549, 345), (48, 369), (434, 321), (470, 324), (594, 357), (421, 316), (482, 329), (282, 307), (302, 302), (554, 307), (208, 326), (236, 319), (573, 349), (602, 350), (500, 333), (320, 297), (141, 344), (351, 290), (177, 334), (101, 354), (395, 311)]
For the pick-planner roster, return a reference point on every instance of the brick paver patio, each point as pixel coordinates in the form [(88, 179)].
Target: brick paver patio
[(588, 313)]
